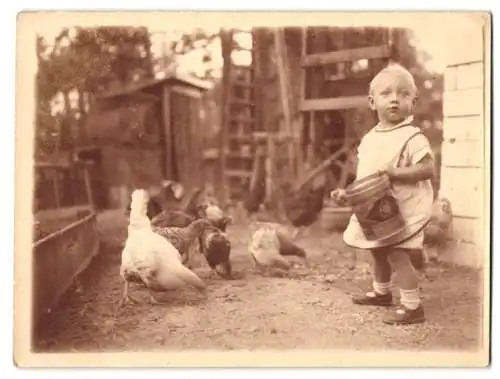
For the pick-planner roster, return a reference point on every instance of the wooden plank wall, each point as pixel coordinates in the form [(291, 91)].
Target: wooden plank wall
[(463, 154)]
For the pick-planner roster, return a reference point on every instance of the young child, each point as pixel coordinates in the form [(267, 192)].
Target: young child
[(396, 147)]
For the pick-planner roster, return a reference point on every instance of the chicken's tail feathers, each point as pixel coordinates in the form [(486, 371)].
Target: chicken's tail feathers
[(282, 263), (191, 278)]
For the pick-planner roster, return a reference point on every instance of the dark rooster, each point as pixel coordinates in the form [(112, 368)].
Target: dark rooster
[(302, 208), (214, 243), (216, 248)]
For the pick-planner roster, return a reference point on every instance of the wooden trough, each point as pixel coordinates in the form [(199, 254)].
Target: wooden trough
[(67, 242)]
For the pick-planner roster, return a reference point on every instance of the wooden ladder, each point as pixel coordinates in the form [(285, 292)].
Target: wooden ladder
[(240, 124)]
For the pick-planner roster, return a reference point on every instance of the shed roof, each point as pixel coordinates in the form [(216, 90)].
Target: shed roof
[(171, 77)]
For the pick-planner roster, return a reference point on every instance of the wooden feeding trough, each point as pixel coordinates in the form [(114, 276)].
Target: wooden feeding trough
[(66, 237)]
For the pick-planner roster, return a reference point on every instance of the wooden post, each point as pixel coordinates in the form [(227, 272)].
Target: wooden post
[(226, 38), (312, 138), (168, 133), (280, 50), (269, 168), (88, 187), (55, 183), (302, 158)]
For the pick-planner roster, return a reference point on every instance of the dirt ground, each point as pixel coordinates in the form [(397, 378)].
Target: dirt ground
[(309, 309)]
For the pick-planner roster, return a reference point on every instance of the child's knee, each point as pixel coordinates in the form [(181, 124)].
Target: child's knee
[(380, 256), (399, 258)]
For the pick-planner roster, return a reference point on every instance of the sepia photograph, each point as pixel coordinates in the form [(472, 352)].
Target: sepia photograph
[(252, 189)]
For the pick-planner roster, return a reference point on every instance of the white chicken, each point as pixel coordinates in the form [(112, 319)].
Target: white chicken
[(148, 258), (264, 248), (439, 227)]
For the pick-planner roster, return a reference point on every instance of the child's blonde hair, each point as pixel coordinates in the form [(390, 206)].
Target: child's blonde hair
[(393, 68)]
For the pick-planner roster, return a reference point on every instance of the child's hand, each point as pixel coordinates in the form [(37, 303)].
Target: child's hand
[(338, 196), (389, 172)]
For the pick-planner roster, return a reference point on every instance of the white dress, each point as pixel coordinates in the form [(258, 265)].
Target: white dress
[(380, 149)]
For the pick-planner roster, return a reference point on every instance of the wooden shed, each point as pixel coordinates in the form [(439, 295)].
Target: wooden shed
[(145, 133), (465, 151)]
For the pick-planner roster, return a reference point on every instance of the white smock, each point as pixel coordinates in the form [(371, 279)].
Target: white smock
[(380, 149)]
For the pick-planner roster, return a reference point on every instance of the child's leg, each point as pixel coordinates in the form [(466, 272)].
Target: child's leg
[(406, 276), (381, 294), (382, 270)]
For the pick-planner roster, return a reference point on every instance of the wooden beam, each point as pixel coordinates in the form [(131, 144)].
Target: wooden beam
[(346, 55), (186, 91), (239, 155), (145, 96), (260, 135), (240, 138), (243, 84), (242, 119), (240, 67), (244, 102), (345, 102), (239, 173), (212, 153)]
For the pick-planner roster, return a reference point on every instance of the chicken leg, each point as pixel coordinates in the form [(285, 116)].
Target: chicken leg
[(307, 264), (260, 268), (152, 298), (126, 298)]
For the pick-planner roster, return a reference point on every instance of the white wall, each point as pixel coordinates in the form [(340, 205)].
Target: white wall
[(463, 156)]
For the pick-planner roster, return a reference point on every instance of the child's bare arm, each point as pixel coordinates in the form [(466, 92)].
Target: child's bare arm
[(423, 170)]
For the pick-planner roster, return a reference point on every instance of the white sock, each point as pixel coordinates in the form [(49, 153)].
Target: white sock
[(382, 288), (410, 298)]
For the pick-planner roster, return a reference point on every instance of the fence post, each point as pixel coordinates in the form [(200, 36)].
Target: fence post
[(88, 187)]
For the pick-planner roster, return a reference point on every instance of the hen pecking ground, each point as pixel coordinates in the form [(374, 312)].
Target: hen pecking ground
[(309, 309)]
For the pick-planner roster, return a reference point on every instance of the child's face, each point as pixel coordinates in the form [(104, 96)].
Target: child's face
[(393, 97)]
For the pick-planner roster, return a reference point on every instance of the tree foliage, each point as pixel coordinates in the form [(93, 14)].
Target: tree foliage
[(87, 61), (91, 60)]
